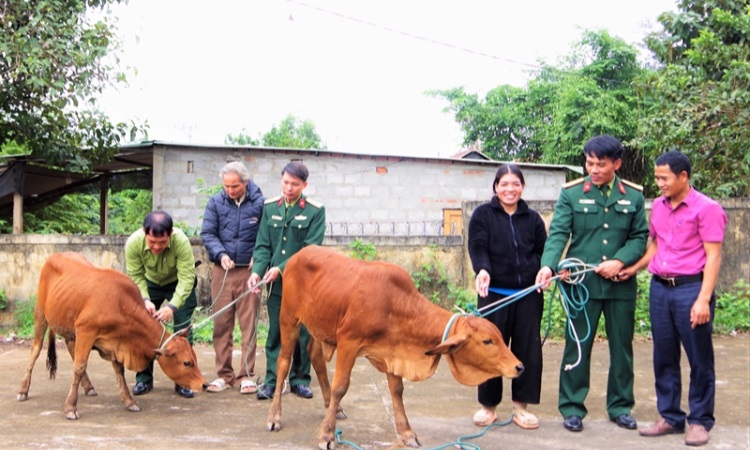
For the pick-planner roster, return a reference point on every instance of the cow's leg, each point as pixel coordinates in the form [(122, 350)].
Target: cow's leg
[(341, 377), (289, 338), (83, 347), (315, 350), (403, 429), (125, 396), (88, 388), (40, 329)]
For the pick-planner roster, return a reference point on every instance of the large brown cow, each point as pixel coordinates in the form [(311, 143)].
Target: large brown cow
[(102, 310), (373, 309)]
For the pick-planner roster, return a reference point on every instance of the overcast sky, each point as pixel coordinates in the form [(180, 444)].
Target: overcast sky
[(357, 69)]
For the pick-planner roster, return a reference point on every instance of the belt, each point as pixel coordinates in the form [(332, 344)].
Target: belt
[(679, 281)]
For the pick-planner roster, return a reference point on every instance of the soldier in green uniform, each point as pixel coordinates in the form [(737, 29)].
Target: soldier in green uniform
[(604, 219), (289, 223)]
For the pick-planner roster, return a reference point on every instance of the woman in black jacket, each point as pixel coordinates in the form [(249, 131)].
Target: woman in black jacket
[(506, 240)]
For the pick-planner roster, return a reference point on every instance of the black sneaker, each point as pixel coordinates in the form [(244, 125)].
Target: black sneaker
[(141, 388), (266, 392), (302, 391), (183, 391)]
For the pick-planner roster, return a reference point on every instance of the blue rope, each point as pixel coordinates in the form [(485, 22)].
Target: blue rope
[(576, 304), (458, 443), (340, 441)]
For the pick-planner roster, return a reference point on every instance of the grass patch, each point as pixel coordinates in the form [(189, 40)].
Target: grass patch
[(204, 335)]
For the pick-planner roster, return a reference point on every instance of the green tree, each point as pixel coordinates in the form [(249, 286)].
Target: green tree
[(699, 100), (550, 119), (78, 213), (290, 133), (241, 138), (55, 58)]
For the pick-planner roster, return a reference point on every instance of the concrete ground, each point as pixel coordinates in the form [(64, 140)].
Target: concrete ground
[(439, 410)]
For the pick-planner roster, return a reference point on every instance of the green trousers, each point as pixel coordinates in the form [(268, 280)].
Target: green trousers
[(619, 317), (181, 319), (299, 370)]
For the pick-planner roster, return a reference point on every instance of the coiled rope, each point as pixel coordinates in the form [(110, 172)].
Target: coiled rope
[(573, 304)]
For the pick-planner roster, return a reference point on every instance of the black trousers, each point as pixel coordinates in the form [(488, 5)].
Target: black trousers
[(519, 324)]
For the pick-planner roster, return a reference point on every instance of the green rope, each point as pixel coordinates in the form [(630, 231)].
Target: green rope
[(458, 443)]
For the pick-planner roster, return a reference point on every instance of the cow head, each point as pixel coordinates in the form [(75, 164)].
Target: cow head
[(178, 361), (476, 352)]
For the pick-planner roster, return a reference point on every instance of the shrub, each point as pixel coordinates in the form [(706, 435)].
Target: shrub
[(23, 318), (732, 314), (3, 299), (363, 251)]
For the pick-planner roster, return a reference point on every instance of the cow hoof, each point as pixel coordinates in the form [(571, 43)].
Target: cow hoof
[(134, 408), (325, 444), (413, 443), (273, 426), (22, 397), (340, 415), (91, 393), (71, 415), (410, 440)]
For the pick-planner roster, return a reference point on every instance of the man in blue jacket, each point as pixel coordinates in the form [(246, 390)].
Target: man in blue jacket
[(230, 225)]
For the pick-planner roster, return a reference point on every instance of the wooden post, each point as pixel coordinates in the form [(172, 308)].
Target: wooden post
[(17, 213), (103, 206)]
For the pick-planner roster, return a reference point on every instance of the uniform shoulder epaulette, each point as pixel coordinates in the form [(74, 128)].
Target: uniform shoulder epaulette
[(570, 184), (633, 185), (314, 203), (272, 200)]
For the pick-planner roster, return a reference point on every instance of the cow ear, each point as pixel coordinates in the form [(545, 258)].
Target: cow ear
[(449, 345), (164, 352)]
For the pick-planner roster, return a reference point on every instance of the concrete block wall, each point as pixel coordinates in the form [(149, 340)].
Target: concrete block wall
[(353, 188)]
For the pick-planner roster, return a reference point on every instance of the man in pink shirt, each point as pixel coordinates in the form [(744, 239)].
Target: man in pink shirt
[(684, 256)]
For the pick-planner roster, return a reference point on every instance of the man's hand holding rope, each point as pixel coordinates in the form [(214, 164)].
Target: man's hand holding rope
[(610, 269), (227, 263), (254, 281)]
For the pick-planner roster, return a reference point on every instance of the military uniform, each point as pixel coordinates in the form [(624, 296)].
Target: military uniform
[(599, 228), (283, 232)]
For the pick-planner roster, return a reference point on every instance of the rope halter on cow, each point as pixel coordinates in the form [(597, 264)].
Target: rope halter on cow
[(208, 319), (572, 304), (161, 339)]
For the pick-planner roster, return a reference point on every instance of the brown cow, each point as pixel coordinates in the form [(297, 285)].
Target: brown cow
[(373, 309), (102, 310)]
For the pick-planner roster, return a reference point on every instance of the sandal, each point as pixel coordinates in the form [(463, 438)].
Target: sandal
[(484, 417), (525, 419), (218, 385), (248, 387)]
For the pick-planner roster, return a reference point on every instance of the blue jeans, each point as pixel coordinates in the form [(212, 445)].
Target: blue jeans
[(670, 325)]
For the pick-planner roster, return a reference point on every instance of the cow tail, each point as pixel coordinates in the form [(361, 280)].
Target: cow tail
[(52, 355)]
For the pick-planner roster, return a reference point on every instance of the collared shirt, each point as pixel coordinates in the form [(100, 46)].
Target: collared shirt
[(289, 205), (609, 185), (681, 232), (239, 201), (175, 263)]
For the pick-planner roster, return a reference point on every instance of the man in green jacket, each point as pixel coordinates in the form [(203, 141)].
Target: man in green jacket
[(159, 259), (604, 219), (290, 222)]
